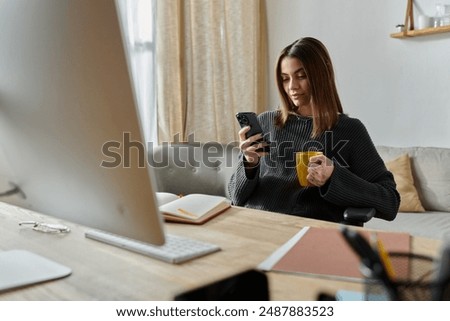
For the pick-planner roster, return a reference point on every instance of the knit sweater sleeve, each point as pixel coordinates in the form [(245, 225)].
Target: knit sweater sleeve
[(363, 181), (240, 186), (243, 182)]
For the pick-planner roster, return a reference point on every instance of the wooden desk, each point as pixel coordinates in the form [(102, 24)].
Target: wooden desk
[(104, 272)]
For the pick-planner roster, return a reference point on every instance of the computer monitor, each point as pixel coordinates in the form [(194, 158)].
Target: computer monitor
[(65, 92)]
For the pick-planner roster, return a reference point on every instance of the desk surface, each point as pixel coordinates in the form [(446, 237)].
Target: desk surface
[(104, 272)]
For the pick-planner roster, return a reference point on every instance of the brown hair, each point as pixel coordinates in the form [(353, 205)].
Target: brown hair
[(319, 70)]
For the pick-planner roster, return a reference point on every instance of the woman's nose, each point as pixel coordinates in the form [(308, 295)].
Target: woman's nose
[(293, 84)]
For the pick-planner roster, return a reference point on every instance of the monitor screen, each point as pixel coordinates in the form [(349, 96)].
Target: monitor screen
[(70, 136)]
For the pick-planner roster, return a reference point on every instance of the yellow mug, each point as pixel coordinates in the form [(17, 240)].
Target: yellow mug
[(302, 162)]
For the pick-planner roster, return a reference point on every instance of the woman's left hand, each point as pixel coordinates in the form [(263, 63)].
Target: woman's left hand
[(320, 169)]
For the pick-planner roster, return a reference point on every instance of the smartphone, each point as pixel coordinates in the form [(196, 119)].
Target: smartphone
[(249, 285), (249, 119)]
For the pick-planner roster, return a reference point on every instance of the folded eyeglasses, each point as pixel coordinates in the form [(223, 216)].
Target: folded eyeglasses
[(46, 227)]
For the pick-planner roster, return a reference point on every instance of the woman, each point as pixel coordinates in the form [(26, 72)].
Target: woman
[(350, 173)]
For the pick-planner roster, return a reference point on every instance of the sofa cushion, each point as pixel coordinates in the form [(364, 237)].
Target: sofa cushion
[(164, 198), (193, 168), (400, 167), (431, 173), (433, 225)]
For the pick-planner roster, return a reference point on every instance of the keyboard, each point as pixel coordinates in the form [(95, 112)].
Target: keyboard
[(176, 249)]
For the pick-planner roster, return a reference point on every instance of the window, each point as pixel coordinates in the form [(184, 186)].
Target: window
[(138, 18)]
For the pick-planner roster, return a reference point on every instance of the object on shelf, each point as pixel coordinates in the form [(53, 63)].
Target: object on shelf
[(423, 22), (442, 17), (400, 28)]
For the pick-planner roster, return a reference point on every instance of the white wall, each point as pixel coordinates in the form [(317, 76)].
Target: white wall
[(400, 89)]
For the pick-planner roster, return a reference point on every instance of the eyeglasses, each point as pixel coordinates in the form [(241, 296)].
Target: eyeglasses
[(46, 227)]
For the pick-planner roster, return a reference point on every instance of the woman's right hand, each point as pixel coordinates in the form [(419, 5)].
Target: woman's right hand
[(250, 147)]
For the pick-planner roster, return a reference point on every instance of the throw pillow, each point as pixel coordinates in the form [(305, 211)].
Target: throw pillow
[(401, 169)]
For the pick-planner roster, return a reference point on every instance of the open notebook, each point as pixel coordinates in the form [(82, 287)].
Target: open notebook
[(194, 208)]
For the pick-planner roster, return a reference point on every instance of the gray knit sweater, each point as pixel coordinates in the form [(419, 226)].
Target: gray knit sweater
[(359, 179)]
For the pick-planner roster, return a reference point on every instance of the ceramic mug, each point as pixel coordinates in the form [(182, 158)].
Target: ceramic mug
[(302, 162)]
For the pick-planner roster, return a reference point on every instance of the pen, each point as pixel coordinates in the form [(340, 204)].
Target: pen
[(384, 256), (183, 211), (370, 259)]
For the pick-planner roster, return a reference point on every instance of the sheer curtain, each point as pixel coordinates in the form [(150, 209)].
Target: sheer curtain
[(211, 64), (138, 17)]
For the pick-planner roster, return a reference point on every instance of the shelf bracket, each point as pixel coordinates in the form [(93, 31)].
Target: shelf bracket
[(409, 17)]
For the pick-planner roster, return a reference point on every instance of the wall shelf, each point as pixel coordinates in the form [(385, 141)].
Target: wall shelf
[(410, 31), (420, 32)]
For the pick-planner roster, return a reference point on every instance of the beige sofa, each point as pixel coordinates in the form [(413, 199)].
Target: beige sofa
[(430, 167), (186, 169)]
